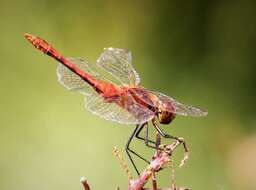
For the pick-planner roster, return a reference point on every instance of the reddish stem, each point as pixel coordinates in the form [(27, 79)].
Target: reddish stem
[(160, 159)]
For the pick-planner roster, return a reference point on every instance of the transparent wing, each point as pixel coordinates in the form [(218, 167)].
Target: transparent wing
[(118, 63), (73, 82), (123, 110), (157, 99)]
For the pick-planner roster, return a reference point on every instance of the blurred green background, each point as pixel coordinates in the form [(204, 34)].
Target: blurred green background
[(200, 52)]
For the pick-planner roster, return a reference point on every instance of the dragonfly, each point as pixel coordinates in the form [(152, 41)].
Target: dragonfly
[(124, 100)]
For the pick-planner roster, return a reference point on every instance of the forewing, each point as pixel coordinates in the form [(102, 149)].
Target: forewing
[(72, 81), (118, 63), (130, 112), (155, 98), (188, 110)]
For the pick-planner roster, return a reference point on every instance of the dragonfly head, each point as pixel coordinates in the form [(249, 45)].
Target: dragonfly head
[(165, 115)]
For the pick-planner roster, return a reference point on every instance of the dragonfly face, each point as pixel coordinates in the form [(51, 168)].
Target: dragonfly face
[(165, 116)]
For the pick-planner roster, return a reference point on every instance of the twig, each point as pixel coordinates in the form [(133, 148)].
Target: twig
[(160, 159), (122, 162), (85, 183), (154, 185), (169, 188), (173, 183)]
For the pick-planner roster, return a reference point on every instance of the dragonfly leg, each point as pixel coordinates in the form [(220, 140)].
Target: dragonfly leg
[(162, 133), (145, 139), (165, 135), (128, 150)]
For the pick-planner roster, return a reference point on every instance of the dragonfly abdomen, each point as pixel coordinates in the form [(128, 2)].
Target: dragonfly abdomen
[(45, 47)]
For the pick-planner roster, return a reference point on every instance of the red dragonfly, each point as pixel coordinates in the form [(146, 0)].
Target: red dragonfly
[(125, 102)]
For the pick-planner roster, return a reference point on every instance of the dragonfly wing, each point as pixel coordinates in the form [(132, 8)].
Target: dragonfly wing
[(188, 110), (130, 113), (155, 98), (72, 81), (118, 63)]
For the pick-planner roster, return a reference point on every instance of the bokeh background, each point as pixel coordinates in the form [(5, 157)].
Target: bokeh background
[(200, 52)]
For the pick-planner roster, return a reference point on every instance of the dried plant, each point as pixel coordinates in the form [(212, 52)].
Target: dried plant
[(159, 161)]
